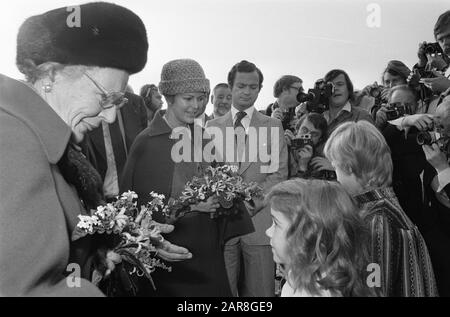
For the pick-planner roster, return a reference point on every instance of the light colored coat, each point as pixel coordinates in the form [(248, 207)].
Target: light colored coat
[(38, 208), (251, 171)]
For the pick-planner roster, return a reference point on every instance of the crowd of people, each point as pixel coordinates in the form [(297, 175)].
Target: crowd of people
[(357, 204)]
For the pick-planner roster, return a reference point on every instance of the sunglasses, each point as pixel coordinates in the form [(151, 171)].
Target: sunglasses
[(109, 99)]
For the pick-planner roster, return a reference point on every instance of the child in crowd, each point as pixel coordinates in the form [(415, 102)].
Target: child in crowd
[(319, 239)]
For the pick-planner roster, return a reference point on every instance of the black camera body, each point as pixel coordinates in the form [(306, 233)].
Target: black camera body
[(395, 112), (301, 141), (433, 48), (427, 138), (424, 138), (324, 175), (318, 98)]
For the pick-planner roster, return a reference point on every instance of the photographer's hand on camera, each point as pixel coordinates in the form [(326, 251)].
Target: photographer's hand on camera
[(289, 136), (304, 156), (278, 114), (366, 90), (422, 55), (436, 157), (438, 84), (422, 122), (321, 164), (381, 118), (385, 94)]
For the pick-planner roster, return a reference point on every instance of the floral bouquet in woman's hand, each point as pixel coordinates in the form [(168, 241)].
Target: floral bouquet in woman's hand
[(223, 183), (136, 237)]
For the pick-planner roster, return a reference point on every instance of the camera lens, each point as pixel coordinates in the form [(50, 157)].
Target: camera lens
[(424, 138)]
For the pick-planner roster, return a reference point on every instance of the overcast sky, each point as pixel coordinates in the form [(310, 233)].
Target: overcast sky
[(306, 38)]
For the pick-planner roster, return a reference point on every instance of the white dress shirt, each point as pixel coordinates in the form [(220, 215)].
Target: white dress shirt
[(246, 120)]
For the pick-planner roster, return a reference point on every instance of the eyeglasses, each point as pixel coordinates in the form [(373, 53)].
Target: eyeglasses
[(109, 99), (407, 105), (297, 88)]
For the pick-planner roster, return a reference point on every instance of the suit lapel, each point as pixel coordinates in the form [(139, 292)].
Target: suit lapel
[(255, 122)]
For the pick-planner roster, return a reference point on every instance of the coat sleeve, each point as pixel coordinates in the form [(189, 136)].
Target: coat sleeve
[(281, 169), (34, 239)]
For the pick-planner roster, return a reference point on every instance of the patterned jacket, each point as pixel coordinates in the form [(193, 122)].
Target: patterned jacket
[(397, 246)]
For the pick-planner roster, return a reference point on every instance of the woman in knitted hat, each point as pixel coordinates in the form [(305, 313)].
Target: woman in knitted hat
[(152, 166), (76, 77)]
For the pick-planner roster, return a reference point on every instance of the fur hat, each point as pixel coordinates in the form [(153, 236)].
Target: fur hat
[(182, 76), (107, 35), (442, 23)]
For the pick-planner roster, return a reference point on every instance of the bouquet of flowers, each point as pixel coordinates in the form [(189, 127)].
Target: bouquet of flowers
[(135, 236), (222, 182)]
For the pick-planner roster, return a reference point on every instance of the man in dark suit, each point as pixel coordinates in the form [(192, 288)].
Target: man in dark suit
[(107, 146)]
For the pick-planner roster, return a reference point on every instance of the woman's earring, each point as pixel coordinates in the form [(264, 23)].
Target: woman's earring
[(47, 88)]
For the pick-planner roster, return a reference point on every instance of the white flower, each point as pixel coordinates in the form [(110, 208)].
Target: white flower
[(129, 196)]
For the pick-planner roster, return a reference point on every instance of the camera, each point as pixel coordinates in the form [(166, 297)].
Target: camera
[(302, 141), (324, 175), (429, 138), (395, 111), (318, 98), (433, 48)]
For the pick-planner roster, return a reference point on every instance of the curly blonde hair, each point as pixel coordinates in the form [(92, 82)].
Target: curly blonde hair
[(328, 241)]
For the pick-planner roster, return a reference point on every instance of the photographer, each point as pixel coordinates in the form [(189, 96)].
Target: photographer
[(286, 90), (429, 75), (442, 36), (396, 73), (436, 181), (341, 109), (311, 136), (407, 155)]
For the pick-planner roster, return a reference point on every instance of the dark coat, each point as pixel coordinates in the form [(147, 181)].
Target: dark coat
[(151, 168), (38, 208), (134, 122), (409, 162), (437, 234)]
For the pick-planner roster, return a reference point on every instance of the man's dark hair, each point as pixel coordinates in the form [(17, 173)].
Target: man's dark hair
[(442, 23), (244, 67), (284, 83), (221, 85), (331, 75)]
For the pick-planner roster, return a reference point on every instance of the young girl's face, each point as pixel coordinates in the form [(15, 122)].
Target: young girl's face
[(308, 128), (277, 234)]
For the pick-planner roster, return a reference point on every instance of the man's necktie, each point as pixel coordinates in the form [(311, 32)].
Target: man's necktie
[(239, 116), (240, 136)]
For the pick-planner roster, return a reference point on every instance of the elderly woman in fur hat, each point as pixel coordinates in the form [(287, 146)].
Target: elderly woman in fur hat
[(76, 77), (151, 166)]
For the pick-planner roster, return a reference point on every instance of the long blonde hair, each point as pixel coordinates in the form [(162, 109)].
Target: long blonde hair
[(328, 241)]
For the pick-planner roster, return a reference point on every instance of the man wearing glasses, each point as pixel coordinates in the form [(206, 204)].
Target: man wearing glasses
[(107, 146), (286, 90), (407, 155)]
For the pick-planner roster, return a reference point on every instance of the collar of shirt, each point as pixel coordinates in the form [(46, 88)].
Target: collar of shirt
[(247, 119), (347, 107)]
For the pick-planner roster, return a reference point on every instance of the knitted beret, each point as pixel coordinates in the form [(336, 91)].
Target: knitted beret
[(107, 35), (442, 23), (183, 76)]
